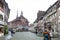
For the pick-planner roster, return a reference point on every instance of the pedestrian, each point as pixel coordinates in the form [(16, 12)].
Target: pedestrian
[(36, 31), (46, 35), (51, 35), (12, 32)]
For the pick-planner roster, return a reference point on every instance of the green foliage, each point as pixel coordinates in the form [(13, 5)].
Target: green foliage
[(5, 29), (57, 31), (55, 35)]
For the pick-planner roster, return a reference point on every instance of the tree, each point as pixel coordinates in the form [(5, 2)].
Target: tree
[(5, 29)]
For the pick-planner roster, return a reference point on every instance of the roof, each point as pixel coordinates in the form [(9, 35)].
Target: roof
[(50, 8), (1, 2), (39, 15), (18, 19)]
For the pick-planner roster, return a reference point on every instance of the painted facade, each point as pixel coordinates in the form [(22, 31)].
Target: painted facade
[(19, 22)]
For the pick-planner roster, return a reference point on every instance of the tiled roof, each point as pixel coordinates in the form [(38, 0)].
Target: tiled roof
[(50, 7), (18, 19), (39, 15)]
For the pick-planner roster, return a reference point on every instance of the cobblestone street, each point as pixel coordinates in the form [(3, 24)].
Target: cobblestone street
[(1, 38), (27, 36)]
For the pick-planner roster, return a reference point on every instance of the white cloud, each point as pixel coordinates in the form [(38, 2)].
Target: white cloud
[(29, 7)]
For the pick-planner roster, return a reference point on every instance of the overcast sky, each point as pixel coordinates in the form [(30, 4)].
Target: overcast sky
[(29, 8)]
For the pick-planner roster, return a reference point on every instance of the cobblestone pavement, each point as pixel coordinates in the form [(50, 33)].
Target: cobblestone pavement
[(1, 38), (27, 36)]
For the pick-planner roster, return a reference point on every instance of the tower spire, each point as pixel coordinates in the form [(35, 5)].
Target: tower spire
[(22, 13), (17, 13)]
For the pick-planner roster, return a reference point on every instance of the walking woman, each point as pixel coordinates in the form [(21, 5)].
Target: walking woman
[(46, 35)]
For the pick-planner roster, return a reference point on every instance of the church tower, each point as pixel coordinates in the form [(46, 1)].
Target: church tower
[(17, 14), (21, 13)]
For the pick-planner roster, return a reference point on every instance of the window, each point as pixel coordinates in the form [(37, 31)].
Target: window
[(59, 17), (1, 17), (55, 14), (59, 8)]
